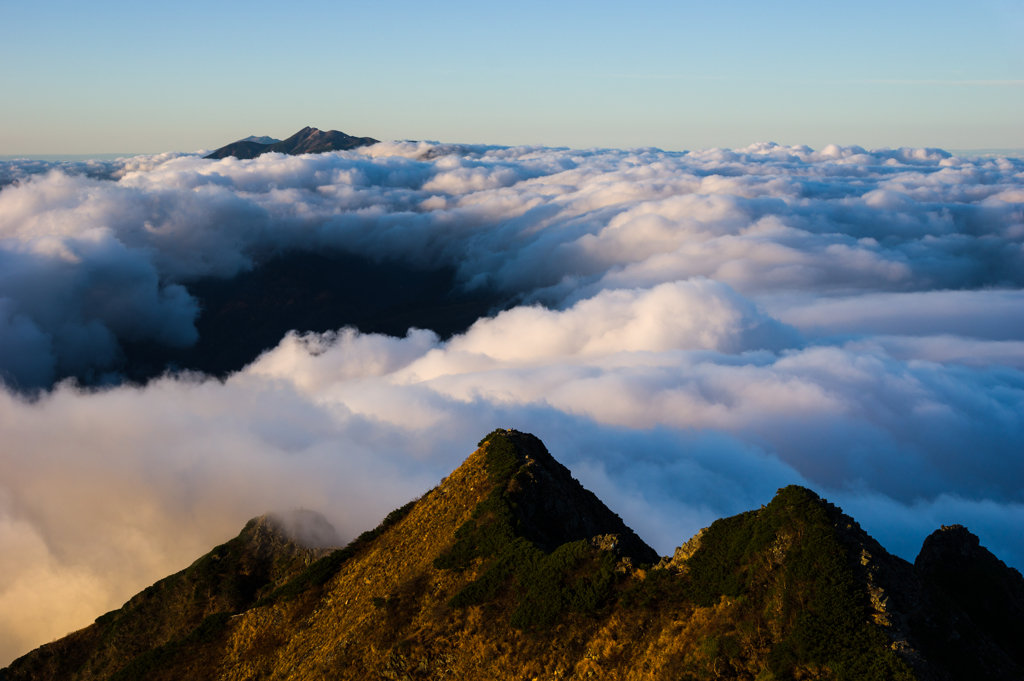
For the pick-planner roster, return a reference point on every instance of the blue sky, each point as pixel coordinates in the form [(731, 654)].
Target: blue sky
[(146, 77)]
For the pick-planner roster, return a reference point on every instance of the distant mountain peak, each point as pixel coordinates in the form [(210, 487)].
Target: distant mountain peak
[(306, 141)]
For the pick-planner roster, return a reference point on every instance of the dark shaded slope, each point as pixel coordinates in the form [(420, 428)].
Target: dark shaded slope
[(552, 508), (940, 637), (306, 141), (243, 316), (991, 595)]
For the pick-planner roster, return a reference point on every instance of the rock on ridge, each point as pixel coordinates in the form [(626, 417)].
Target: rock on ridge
[(677, 563)]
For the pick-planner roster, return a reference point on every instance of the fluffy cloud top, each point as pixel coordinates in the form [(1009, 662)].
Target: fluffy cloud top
[(694, 331), (546, 225)]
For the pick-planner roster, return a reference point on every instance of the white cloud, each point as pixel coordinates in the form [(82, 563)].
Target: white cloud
[(990, 314), (715, 325)]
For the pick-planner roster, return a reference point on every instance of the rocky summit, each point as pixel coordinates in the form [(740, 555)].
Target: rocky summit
[(510, 569)]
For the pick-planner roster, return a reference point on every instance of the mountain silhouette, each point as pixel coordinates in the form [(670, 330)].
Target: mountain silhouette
[(305, 141)]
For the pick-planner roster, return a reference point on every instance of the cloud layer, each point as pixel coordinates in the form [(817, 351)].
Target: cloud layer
[(694, 330), (96, 253)]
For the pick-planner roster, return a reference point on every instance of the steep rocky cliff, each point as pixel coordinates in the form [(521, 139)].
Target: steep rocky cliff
[(510, 569)]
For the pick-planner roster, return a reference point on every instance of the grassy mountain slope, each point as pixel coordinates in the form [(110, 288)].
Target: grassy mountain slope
[(509, 569), (227, 580)]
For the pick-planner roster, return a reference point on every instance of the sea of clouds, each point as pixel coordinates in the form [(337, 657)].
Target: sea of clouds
[(691, 332)]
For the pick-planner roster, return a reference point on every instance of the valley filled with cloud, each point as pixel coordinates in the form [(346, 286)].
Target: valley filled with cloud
[(687, 332)]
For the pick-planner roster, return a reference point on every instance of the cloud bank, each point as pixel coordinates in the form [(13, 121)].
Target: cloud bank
[(693, 331), (94, 254)]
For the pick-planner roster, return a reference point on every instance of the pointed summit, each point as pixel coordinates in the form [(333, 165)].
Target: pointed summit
[(550, 506)]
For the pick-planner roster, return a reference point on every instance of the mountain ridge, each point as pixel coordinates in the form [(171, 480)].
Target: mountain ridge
[(306, 141), (509, 568)]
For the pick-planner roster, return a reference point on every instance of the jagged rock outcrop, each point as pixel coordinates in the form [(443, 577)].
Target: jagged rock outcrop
[(509, 568), (677, 562), (306, 141)]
